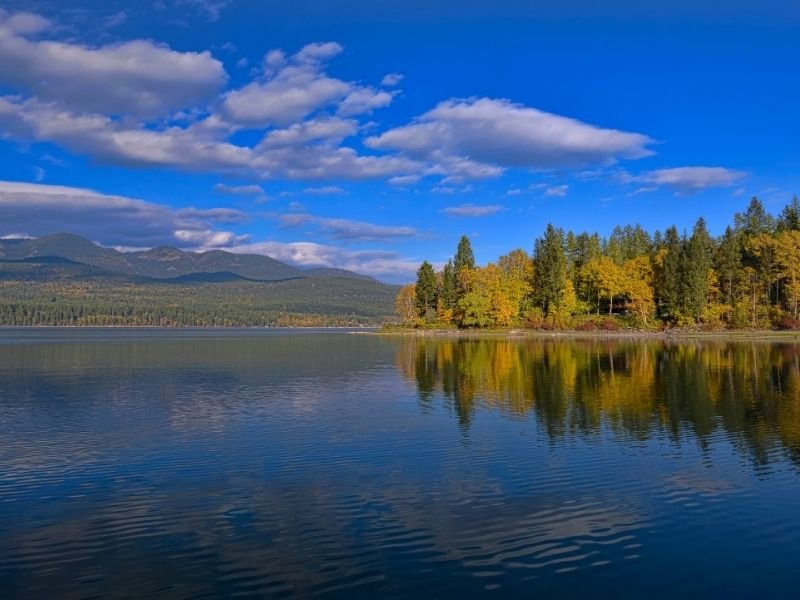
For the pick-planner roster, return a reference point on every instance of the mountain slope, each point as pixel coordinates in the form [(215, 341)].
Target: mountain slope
[(162, 262), (46, 290)]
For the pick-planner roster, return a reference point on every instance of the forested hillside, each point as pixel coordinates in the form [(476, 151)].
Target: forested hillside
[(57, 291), (749, 277)]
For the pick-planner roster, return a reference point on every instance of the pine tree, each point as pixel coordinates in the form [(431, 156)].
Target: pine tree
[(464, 259), (694, 272), (449, 292), (669, 280), (790, 217), (550, 268), (755, 220), (728, 262), (426, 291)]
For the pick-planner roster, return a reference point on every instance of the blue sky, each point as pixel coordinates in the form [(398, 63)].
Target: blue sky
[(370, 136)]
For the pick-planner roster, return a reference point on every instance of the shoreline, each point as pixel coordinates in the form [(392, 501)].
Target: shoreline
[(508, 334), (731, 335)]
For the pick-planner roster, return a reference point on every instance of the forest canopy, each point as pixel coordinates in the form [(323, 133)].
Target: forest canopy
[(749, 277)]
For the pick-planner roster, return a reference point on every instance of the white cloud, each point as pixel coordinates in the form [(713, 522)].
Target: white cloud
[(294, 88), (111, 220), (137, 77), (196, 147), (347, 229), (239, 190), (142, 104), (327, 130), (328, 190), (557, 190), (498, 134), (363, 101), (392, 79), (685, 180), (404, 180), (472, 210), (449, 189), (389, 266)]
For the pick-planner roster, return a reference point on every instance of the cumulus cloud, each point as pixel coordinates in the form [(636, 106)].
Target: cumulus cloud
[(138, 77), (347, 229), (363, 101), (41, 209), (143, 104), (293, 88), (194, 148), (685, 180), (498, 134), (472, 210)]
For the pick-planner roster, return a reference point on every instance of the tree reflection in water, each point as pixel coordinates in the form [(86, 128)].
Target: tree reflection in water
[(633, 388)]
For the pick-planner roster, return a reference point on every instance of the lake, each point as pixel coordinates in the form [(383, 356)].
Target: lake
[(183, 463)]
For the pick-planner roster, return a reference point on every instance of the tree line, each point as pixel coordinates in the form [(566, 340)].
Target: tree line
[(54, 295), (749, 277)]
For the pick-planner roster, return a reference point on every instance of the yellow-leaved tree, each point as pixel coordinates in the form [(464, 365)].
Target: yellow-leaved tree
[(405, 304)]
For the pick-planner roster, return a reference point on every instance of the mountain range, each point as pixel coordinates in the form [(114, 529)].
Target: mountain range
[(64, 279), (164, 262)]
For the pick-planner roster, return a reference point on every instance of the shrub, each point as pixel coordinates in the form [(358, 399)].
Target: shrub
[(788, 323)]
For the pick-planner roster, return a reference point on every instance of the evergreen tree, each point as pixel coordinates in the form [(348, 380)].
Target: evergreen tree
[(755, 220), (449, 291), (464, 258), (694, 274), (426, 290), (790, 217), (550, 268), (669, 281), (728, 262)]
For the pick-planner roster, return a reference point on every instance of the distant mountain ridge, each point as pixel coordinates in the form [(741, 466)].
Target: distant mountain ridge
[(165, 262)]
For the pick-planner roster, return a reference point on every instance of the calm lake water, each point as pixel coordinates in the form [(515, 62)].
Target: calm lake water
[(280, 463)]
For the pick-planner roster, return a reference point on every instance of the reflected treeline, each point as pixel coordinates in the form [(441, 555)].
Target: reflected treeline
[(634, 388)]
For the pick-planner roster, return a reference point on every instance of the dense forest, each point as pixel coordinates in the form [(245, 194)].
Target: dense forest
[(747, 278), (53, 292)]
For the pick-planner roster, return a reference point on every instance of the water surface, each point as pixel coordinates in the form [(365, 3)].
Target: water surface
[(148, 463)]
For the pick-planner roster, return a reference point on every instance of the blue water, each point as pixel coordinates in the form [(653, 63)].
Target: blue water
[(278, 463)]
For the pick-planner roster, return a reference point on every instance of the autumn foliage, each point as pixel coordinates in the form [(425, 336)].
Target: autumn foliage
[(747, 278)]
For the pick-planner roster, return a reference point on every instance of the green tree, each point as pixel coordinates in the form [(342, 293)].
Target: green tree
[(449, 292), (426, 291), (550, 268), (755, 220), (464, 258), (790, 217), (728, 262), (669, 292), (695, 269)]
